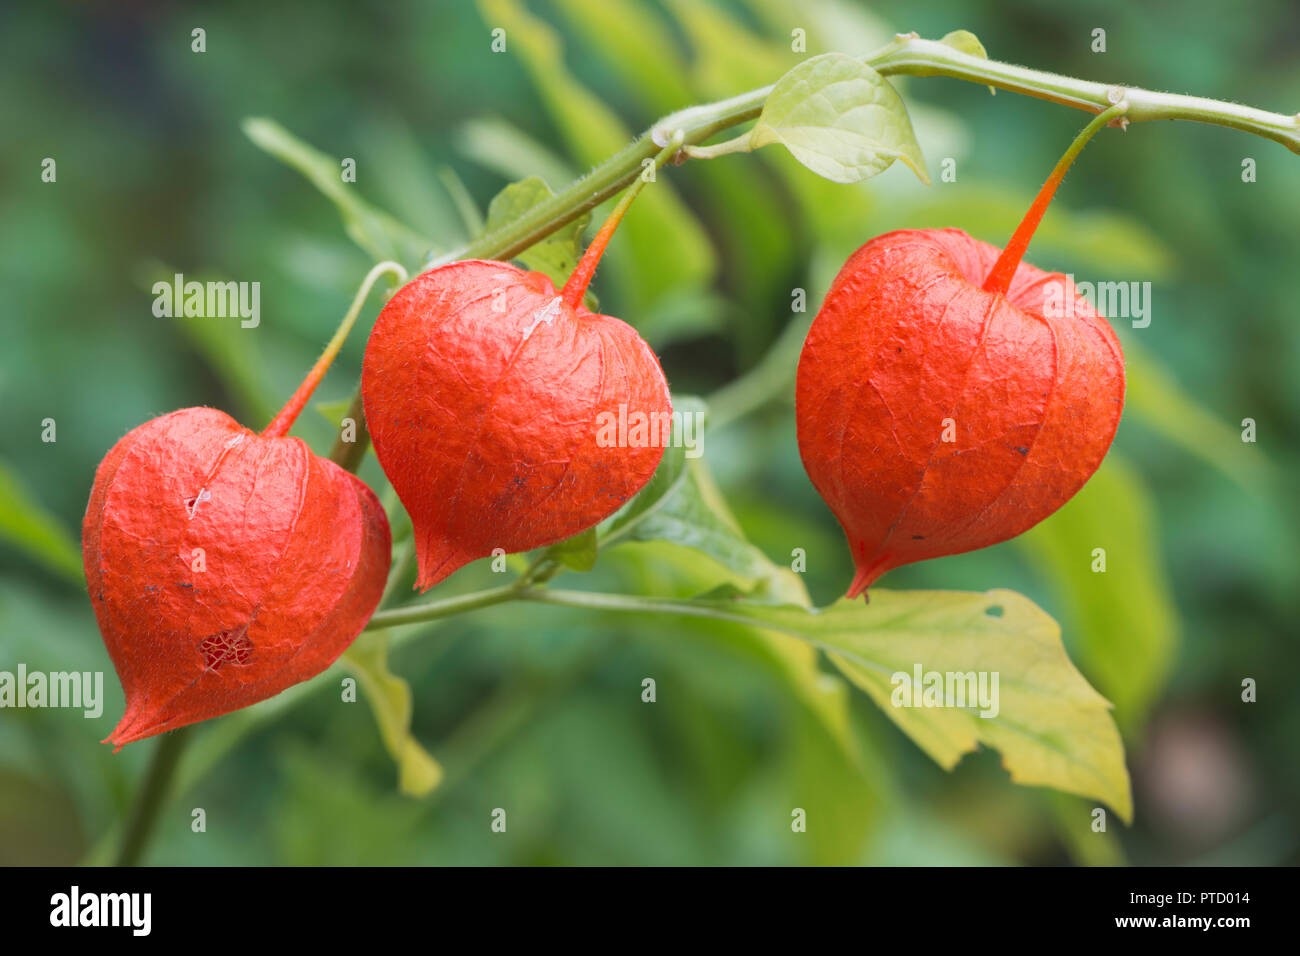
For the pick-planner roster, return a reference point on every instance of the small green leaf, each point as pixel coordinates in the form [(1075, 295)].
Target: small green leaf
[(1051, 728), (515, 200), (557, 254), (578, 552), (390, 699), (374, 230), (841, 119), (966, 42), (35, 532)]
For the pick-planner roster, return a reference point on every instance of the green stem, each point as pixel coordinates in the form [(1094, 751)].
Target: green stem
[(576, 287), (348, 455), (588, 600), (911, 56), (740, 144), (905, 56), (443, 608), (151, 795), (282, 422), (632, 603)]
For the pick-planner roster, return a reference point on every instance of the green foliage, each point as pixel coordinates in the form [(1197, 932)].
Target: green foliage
[(647, 266), (390, 699), (378, 233), (966, 42), (32, 530), (1100, 552), (577, 553), (681, 505), (536, 707), (1051, 728), (557, 254), (841, 119)]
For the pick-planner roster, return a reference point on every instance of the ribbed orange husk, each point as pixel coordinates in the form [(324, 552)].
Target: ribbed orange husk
[(224, 567), (935, 417), (486, 397)]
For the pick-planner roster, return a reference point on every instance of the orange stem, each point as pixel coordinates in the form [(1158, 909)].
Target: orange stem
[(284, 420), (576, 287), (1004, 270)]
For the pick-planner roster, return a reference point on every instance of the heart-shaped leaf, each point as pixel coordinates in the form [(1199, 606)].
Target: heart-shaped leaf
[(841, 119)]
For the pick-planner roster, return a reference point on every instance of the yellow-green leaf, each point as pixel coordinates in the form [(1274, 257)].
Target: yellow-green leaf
[(1101, 551), (390, 698), (841, 119), (966, 42), (557, 254), (1051, 728)]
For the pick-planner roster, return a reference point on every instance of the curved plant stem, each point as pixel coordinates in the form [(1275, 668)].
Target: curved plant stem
[(282, 422), (150, 798), (1004, 270), (904, 56)]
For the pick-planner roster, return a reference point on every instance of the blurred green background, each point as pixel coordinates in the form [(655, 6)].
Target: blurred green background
[(538, 710)]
